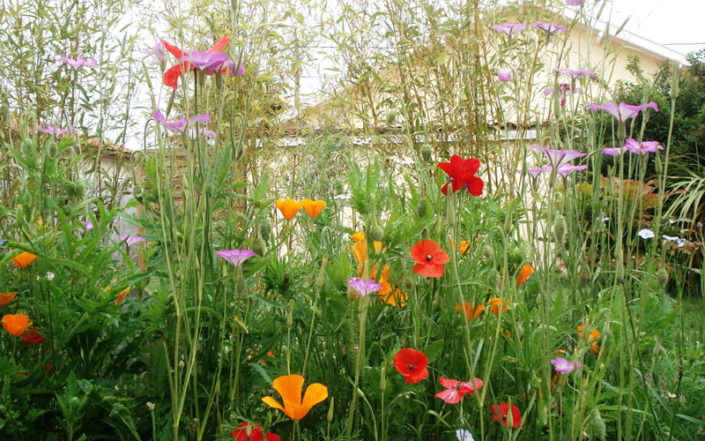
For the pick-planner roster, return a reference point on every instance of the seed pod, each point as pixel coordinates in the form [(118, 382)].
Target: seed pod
[(391, 117), (560, 228), (265, 228), (426, 152), (662, 276), (376, 233), (259, 246), (487, 252), (421, 208)]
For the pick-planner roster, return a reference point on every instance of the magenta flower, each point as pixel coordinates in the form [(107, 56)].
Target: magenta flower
[(156, 51), (558, 157), (574, 2), (509, 29), (51, 130), (203, 131), (178, 126), (207, 62), (87, 225), (642, 148), (612, 151), (78, 63), (623, 111), (234, 69), (567, 169), (550, 28), (574, 73), (564, 88), (364, 287), (505, 75), (236, 257), (131, 240), (564, 366)]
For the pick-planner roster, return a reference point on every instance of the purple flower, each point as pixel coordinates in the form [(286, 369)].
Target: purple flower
[(234, 69), (612, 151), (364, 287), (236, 257), (622, 111), (505, 75), (509, 29), (131, 240), (566, 169), (642, 148), (550, 28), (557, 157), (51, 130), (87, 225), (534, 172), (574, 2), (207, 62), (78, 62), (574, 73), (203, 131), (156, 51), (178, 125), (564, 366)]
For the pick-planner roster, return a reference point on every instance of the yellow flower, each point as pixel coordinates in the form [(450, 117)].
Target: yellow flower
[(358, 237), (288, 208), (24, 259), (6, 297), (313, 208), (15, 324), (289, 387)]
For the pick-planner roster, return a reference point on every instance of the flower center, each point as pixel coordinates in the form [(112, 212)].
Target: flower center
[(411, 367), (429, 257)]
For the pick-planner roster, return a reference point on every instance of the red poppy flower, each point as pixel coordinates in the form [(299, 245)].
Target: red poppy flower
[(462, 175), (501, 414), (430, 258), (411, 364), (172, 75), (456, 390), (252, 432), (32, 336)]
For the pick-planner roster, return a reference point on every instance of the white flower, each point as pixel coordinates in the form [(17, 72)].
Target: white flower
[(645, 233), (679, 241), (464, 435), (49, 276)]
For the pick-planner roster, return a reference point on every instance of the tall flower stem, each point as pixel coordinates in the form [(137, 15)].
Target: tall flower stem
[(358, 366)]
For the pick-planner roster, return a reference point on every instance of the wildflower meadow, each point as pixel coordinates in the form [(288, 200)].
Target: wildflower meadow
[(474, 230)]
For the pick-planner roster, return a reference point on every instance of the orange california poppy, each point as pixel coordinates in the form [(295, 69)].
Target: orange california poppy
[(122, 295), (6, 297), (399, 298), (288, 208), (496, 302), (24, 259), (358, 237), (313, 208), (289, 387), (524, 274), (471, 312), (385, 287), (15, 324)]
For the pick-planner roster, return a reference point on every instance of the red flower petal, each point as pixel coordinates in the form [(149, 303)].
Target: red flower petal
[(426, 270), (411, 364), (475, 186), (501, 412)]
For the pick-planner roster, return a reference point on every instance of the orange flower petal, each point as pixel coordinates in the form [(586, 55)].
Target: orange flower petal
[(122, 295), (313, 208), (6, 297), (15, 324), (24, 259), (288, 208), (315, 393), (524, 274), (289, 387), (271, 402), (358, 237)]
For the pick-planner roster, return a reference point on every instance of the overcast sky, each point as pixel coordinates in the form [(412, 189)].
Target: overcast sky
[(663, 21)]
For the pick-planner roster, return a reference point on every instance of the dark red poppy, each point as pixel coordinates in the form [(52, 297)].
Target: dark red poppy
[(411, 364), (501, 412), (172, 74), (32, 336), (462, 175), (430, 258), (252, 432)]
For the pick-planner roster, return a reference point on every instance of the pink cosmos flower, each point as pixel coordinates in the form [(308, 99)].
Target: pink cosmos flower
[(456, 390), (564, 366), (364, 287), (131, 240), (509, 29), (78, 62), (505, 75), (574, 73), (235, 257), (178, 126), (623, 111), (550, 28)]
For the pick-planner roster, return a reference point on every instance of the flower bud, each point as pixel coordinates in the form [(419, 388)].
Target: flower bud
[(376, 233), (560, 228), (329, 417), (265, 229), (259, 246), (487, 252), (426, 152), (662, 276)]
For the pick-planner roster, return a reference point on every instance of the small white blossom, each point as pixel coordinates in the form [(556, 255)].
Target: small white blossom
[(645, 233)]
